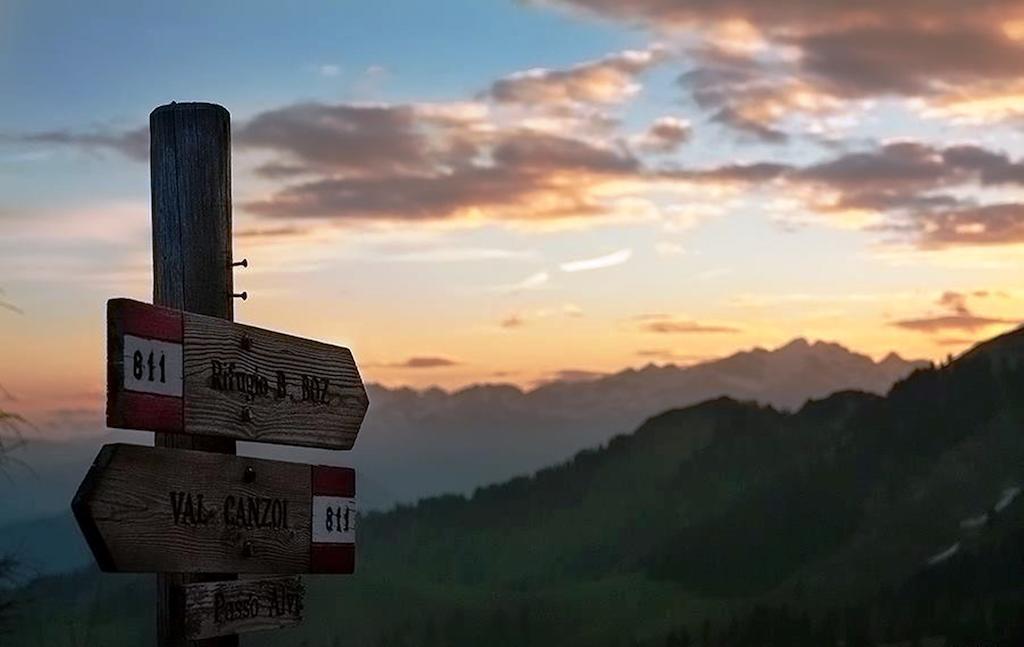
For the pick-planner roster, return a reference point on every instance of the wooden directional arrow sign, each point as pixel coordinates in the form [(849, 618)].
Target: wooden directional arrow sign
[(234, 607), (145, 509), (176, 371)]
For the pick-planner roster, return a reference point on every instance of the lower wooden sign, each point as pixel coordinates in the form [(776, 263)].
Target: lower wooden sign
[(224, 608), (145, 509)]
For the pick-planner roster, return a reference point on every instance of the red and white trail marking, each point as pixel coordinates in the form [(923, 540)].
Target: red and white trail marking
[(179, 372)]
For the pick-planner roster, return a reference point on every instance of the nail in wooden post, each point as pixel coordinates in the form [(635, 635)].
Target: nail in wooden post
[(190, 166)]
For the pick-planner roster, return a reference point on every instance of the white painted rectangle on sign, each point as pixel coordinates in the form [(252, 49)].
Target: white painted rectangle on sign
[(152, 366), (334, 520)]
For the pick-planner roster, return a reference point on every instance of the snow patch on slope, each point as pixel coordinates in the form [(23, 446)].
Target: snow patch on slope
[(944, 555), (1009, 494)]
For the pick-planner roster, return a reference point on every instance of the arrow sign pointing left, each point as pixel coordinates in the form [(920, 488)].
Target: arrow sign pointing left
[(145, 509)]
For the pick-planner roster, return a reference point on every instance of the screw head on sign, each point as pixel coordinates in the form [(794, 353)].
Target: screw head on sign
[(246, 415), (247, 549), (250, 474)]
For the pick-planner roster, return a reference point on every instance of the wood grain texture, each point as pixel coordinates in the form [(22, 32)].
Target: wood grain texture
[(190, 172), (312, 395), (243, 383), (190, 182), (140, 510), (225, 608)]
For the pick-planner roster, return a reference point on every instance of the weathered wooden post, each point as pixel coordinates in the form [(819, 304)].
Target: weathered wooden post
[(190, 179), (182, 368)]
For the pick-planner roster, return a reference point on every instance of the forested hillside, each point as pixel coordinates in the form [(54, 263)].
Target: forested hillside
[(858, 519)]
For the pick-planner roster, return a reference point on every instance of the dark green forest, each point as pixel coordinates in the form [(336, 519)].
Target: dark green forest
[(857, 520)]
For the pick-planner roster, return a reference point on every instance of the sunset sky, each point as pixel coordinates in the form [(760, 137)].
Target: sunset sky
[(482, 190)]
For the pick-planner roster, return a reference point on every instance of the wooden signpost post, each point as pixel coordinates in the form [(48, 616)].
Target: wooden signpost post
[(189, 509)]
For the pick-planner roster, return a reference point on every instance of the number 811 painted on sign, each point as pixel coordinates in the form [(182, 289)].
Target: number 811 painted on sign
[(138, 370), (337, 520), (334, 520), (152, 366)]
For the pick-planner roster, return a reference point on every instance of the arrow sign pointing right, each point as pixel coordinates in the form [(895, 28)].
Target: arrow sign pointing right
[(145, 509), (173, 371)]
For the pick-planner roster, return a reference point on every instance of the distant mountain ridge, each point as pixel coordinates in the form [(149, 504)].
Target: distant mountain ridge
[(455, 441), (846, 369), (417, 443)]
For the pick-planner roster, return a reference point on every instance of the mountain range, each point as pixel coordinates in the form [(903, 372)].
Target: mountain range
[(421, 443), (417, 443), (856, 519)]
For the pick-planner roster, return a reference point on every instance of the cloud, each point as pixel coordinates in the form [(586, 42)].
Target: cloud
[(7, 305), (954, 301), (282, 170), (666, 324), (910, 59), (994, 224), (536, 151), (741, 120), (967, 323), (282, 231), (750, 95), (787, 14), (668, 355), (329, 70), (599, 262), (955, 341), (651, 316), (610, 79), (760, 64), (665, 135), (133, 144), (687, 327), (424, 362), (992, 168), (901, 181), (898, 165), (661, 353), (452, 162), (460, 255), (512, 321), (960, 318), (534, 281), (575, 375), (341, 137), (911, 189), (732, 173), (458, 172)]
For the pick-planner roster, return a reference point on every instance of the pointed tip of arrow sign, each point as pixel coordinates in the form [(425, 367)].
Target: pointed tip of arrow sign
[(80, 510)]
